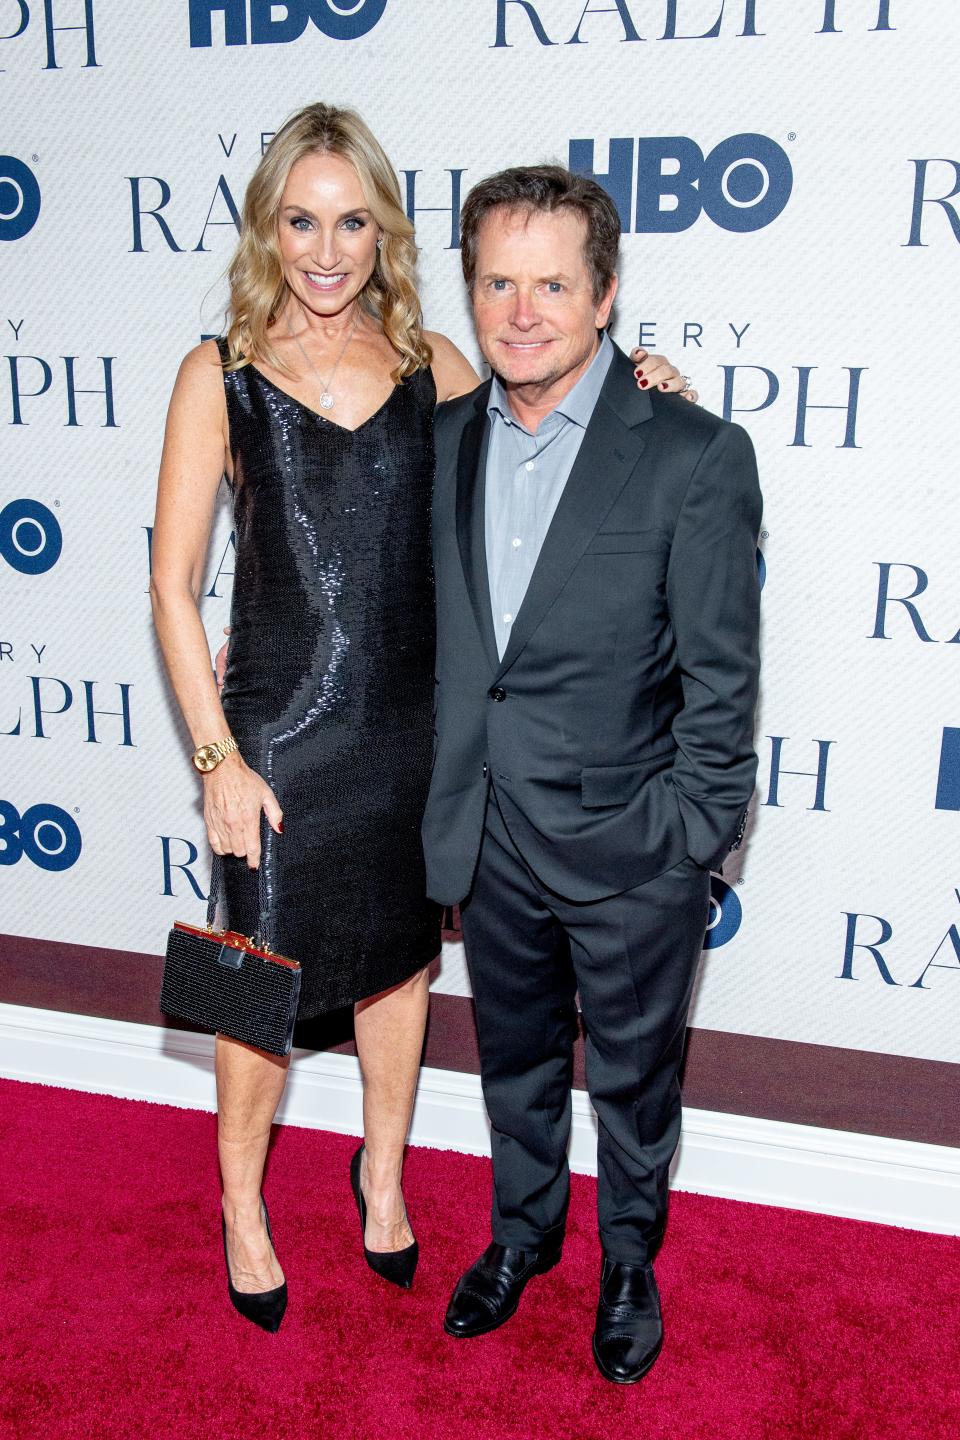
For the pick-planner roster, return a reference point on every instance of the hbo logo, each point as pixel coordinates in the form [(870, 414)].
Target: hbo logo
[(662, 183), (19, 198), (46, 834), (726, 914), (30, 537), (340, 19)]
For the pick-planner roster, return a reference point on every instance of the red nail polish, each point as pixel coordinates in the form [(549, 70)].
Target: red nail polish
[(664, 385), (280, 827), (644, 384)]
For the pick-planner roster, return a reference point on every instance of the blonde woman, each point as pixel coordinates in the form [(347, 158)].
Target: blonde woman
[(318, 407)]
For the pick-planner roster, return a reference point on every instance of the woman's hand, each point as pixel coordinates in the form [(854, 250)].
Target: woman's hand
[(234, 797), (654, 372)]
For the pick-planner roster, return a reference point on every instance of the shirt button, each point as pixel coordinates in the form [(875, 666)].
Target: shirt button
[(530, 465), (507, 619), (517, 542)]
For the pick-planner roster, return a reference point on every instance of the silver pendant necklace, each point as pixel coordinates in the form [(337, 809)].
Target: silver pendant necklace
[(327, 400)]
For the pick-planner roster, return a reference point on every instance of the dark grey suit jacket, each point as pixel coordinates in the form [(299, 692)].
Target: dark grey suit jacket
[(618, 726)]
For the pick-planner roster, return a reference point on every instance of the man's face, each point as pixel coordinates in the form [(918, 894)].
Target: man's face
[(533, 303)]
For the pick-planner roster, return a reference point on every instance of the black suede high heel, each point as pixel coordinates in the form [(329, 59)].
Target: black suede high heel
[(397, 1266), (264, 1307)]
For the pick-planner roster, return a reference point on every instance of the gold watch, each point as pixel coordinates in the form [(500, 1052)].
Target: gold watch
[(208, 757)]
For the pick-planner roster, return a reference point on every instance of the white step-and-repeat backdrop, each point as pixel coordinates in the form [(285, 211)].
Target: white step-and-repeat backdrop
[(788, 174)]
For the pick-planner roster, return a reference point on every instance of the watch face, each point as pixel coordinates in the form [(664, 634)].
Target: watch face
[(207, 758)]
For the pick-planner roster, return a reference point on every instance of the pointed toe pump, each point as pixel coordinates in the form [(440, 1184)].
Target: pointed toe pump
[(263, 1307), (397, 1266)]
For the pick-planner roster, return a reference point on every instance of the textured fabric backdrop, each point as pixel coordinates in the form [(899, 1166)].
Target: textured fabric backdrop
[(787, 175)]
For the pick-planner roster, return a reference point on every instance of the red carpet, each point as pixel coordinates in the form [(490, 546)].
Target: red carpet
[(115, 1320)]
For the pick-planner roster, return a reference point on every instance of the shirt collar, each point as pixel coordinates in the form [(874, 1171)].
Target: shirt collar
[(577, 405)]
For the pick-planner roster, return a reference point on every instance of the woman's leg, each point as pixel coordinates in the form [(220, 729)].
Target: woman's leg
[(249, 1085), (389, 1029)]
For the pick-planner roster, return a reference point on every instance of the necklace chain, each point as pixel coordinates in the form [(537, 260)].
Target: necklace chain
[(327, 399)]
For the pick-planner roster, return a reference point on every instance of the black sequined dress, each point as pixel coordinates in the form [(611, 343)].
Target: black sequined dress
[(330, 677)]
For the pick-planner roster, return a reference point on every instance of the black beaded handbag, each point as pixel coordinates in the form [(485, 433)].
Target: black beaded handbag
[(231, 983)]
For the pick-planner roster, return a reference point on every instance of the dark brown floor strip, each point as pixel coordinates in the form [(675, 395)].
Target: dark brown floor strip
[(892, 1095)]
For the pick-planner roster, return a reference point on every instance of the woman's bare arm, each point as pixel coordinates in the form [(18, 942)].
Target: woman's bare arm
[(194, 455), (452, 371), (190, 470)]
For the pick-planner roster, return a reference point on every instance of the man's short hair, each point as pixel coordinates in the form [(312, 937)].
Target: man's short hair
[(546, 189)]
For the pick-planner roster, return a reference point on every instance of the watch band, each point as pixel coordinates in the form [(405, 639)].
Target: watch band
[(208, 757)]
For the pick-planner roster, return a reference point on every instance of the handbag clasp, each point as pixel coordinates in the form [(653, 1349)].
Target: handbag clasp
[(229, 957)]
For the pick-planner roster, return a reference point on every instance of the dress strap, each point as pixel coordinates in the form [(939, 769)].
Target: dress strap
[(230, 383)]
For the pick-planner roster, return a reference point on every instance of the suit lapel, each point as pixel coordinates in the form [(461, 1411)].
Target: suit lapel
[(606, 459), (471, 527)]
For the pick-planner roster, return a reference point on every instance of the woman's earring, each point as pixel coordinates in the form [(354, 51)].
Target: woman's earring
[(379, 242)]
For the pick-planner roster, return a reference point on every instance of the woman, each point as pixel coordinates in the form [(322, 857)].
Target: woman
[(318, 407)]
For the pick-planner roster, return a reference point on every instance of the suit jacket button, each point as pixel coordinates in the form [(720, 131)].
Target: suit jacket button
[(498, 693), (485, 770)]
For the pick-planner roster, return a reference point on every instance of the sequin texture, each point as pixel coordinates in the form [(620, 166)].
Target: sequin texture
[(329, 680)]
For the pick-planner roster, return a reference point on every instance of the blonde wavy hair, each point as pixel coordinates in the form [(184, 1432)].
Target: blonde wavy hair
[(258, 291)]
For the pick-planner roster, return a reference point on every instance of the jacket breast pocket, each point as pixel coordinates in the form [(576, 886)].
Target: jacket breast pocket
[(602, 785), (624, 542)]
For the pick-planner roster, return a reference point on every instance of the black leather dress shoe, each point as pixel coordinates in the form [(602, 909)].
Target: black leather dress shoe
[(489, 1292), (629, 1333)]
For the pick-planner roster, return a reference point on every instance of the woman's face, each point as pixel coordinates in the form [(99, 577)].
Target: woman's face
[(328, 237)]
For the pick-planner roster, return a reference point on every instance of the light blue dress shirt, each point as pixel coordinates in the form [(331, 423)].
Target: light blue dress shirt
[(525, 477)]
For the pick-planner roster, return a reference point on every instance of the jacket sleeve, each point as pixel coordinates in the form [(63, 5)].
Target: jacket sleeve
[(713, 595)]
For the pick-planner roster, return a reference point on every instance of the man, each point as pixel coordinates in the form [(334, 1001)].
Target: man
[(597, 674)]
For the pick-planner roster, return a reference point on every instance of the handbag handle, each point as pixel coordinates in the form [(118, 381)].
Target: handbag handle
[(261, 937)]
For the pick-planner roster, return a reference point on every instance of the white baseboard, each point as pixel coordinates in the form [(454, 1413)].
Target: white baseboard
[(864, 1177)]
